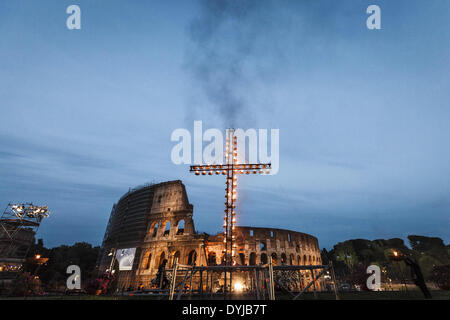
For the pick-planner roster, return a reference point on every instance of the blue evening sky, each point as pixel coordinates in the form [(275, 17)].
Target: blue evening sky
[(364, 115)]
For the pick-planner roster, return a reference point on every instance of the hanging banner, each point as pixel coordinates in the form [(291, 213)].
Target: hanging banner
[(125, 257)]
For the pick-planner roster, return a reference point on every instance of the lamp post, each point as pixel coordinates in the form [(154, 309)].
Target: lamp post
[(40, 261), (416, 272), (112, 254)]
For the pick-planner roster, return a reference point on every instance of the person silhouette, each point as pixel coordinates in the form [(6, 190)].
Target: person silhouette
[(417, 276)]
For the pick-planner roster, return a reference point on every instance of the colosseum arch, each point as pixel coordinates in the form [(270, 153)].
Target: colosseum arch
[(154, 229), (212, 258), (146, 260), (175, 256), (161, 258), (180, 227), (291, 259), (242, 258), (166, 228), (299, 260), (262, 246), (192, 257), (283, 258), (305, 260), (263, 258), (274, 259), (252, 259)]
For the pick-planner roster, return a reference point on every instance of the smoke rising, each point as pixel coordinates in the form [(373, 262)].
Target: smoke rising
[(233, 51)]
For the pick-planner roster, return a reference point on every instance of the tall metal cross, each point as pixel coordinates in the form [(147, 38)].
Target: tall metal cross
[(231, 169)]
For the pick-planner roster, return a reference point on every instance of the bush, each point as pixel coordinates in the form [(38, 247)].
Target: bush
[(441, 276)]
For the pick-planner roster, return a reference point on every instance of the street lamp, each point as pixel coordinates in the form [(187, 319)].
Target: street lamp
[(112, 254)]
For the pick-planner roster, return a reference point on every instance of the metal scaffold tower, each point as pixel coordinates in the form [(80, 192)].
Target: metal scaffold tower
[(263, 281), (18, 226)]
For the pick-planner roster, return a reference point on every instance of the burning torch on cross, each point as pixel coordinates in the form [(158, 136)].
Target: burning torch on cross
[(231, 169)]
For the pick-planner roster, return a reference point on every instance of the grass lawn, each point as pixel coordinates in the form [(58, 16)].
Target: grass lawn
[(382, 295)]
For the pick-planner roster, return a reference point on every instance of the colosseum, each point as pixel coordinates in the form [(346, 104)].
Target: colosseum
[(156, 222)]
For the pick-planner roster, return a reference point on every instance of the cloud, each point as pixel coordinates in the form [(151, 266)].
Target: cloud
[(363, 116)]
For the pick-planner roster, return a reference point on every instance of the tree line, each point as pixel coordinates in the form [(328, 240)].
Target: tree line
[(352, 257)]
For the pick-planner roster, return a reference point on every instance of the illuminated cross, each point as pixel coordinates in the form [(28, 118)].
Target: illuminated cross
[(231, 169)]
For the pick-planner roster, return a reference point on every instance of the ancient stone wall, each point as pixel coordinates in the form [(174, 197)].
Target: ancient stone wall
[(169, 233)]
